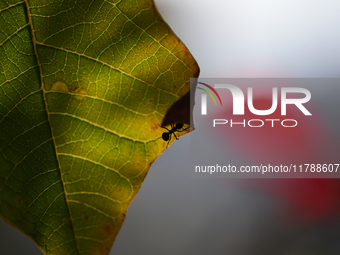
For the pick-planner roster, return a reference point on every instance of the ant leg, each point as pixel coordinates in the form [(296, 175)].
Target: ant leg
[(164, 127), (183, 129), (168, 140), (175, 136)]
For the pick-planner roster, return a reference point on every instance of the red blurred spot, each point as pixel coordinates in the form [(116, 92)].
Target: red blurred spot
[(308, 142), (310, 199)]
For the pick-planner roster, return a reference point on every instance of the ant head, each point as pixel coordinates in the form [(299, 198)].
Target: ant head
[(179, 125), (165, 136)]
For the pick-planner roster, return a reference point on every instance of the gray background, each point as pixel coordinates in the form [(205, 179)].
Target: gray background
[(177, 214)]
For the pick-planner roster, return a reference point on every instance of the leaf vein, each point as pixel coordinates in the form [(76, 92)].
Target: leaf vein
[(10, 6), (94, 162), (106, 64), (13, 34), (47, 111), (92, 207)]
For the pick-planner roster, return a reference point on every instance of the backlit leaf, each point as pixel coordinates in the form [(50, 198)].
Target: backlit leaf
[(84, 86)]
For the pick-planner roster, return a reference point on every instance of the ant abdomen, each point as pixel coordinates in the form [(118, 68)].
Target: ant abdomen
[(165, 136)]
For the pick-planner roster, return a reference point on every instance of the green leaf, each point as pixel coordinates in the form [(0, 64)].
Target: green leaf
[(84, 86)]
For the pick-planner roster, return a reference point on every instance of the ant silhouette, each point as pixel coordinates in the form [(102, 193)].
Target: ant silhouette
[(166, 136)]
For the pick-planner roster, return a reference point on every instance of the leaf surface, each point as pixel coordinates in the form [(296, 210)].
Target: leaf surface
[(84, 86)]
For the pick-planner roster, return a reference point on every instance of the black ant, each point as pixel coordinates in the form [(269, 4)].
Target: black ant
[(174, 128)]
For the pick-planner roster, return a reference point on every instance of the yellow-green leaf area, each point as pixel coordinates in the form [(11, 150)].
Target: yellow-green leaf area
[(84, 86)]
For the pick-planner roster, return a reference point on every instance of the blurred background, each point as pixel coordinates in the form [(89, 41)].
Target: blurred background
[(177, 214)]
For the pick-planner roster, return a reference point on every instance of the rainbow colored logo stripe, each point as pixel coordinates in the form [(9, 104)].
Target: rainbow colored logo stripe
[(208, 92)]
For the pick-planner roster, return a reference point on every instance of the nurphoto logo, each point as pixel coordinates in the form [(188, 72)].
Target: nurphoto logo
[(238, 104)]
